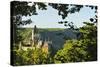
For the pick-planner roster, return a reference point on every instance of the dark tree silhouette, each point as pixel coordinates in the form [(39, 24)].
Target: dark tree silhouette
[(19, 9), (65, 9)]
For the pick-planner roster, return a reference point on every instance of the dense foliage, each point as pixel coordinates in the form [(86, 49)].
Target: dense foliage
[(84, 49), (31, 56), (75, 50)]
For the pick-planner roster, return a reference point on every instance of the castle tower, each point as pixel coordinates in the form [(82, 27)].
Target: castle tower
[(35, 36), (32, 34)]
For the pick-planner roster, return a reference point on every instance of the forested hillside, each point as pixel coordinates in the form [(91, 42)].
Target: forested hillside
[(71, 50)]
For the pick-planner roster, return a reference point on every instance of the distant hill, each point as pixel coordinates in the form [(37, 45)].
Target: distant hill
[(57, 36)]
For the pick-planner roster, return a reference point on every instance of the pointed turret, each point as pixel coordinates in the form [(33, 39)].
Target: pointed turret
[(32, 34)]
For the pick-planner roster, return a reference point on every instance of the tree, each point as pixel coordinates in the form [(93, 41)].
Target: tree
[(31, 56), (19, 9), (84, 49), (89, 37), (65, 9)]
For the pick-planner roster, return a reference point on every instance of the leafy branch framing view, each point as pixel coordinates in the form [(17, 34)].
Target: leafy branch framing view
[(83, 48)]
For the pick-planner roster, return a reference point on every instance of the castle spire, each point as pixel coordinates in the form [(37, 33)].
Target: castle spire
[(32, 34)]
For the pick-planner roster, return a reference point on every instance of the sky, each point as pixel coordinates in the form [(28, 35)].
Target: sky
[(49, 18)]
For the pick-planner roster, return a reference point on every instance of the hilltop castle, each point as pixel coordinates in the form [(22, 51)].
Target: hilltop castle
[(35, 42)]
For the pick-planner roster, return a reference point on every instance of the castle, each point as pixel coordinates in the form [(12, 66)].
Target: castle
[(35, 42)]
